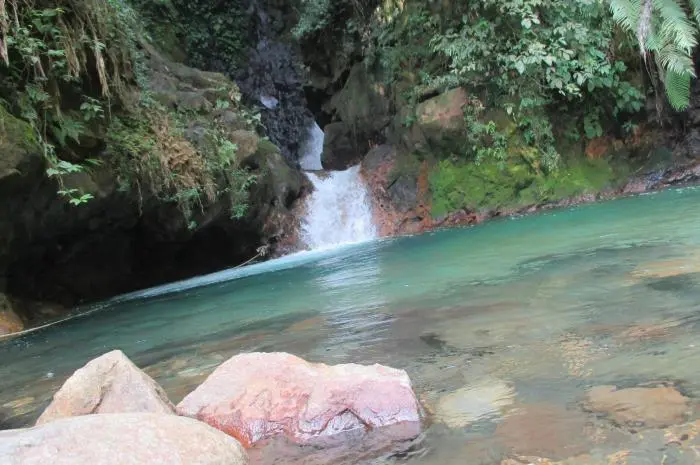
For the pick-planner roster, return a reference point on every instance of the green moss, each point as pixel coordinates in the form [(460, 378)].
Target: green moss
[(131, 146), (14, 131), (266, 148), (490, 185), (456, 186), (17, 141)]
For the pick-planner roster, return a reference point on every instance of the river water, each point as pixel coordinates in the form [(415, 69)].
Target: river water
[(518, 314)]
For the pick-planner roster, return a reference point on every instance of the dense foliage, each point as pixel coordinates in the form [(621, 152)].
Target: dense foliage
[(533, 59), (77, 71), (209, 35), (63, 65)]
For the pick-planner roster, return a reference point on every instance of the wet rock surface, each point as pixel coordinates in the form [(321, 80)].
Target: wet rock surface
[(259, 396)]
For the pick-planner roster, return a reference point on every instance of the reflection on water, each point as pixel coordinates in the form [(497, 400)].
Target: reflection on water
[(503, 329)]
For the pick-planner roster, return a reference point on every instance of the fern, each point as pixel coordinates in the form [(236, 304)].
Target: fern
[(677, 88), (695, 4), (664, 29), (626, 13), (676, 26)]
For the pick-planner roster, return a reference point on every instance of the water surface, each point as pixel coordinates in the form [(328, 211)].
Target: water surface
[(516, 315)]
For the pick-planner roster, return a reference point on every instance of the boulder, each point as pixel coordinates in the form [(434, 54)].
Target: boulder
[(363, 102), (653, 407), (339, 149), (120, 439), (257, 396), (444, 112), (108, 384), (438, 123)]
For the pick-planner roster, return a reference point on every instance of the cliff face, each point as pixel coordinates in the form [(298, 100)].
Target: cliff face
[(134, 234)]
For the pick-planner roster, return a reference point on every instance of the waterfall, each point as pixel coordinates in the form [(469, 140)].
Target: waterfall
[(310, 155), (339, 210)]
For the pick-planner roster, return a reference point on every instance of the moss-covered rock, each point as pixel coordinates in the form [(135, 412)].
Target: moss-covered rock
[(18, 144), (247, 143), (363, 104), (497, 185)]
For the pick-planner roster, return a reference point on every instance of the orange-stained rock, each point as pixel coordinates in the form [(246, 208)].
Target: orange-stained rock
[(653, 407), (394, 213), (108, 384), (598, 147), (262, 395), (9, 321), (121, 439)]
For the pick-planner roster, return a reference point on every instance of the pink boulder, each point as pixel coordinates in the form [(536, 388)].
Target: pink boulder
[(110, 383), (261, 395)]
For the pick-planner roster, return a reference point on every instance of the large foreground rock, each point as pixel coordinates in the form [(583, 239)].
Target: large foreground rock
[(120, 439), (108, 384), (257, 396)]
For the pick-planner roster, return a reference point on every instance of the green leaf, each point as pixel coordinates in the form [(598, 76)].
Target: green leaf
[(678, 89)]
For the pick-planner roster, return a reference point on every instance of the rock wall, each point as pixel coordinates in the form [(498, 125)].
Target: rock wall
[(131, 237)]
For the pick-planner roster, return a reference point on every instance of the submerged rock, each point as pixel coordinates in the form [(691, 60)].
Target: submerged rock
[(120, 439), (108, 384), (473, 403), (262, 395), (544, 430), (652, 407)]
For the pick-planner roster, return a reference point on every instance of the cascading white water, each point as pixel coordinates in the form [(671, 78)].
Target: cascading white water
[(339, 210), (310, 159)]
